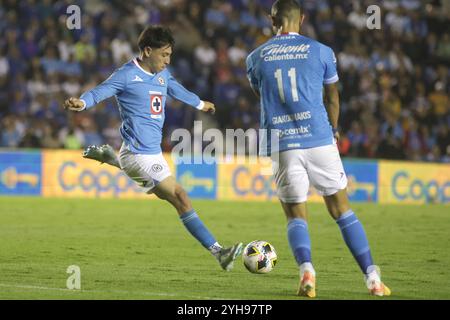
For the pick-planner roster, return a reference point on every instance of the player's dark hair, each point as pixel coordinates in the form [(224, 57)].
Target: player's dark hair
[(155, 37), (286, 9)]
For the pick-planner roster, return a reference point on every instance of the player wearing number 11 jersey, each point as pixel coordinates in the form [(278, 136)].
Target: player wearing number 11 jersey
[(141, 87), (289, 73)]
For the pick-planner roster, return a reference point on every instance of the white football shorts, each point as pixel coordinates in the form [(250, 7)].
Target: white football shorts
[(294, 170), (147, 170)]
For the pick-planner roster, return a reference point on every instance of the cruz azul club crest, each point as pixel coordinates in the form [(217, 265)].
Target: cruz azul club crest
[(156, 104)]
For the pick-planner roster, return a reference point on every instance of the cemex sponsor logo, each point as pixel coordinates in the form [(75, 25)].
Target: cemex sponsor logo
[(294, 131)]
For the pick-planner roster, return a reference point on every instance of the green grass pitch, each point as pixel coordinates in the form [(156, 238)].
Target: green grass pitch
[(138, 249)]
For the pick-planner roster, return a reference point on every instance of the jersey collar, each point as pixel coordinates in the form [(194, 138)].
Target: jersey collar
[(137, 65), (286, 33)]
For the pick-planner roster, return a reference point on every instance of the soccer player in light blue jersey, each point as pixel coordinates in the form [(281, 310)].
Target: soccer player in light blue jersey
[(289, 73), (141, 87)]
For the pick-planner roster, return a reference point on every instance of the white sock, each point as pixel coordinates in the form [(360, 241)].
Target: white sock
[(215, 249), (373, 269), (307, 266), (373, 273)]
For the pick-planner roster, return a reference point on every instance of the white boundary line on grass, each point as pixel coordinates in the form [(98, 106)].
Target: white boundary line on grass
[(160, 294)]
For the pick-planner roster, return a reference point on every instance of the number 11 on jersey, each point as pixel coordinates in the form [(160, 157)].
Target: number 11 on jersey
[(293, 77)]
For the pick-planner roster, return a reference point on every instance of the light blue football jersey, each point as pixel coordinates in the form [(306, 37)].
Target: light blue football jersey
[(141, 97), (289, 72)]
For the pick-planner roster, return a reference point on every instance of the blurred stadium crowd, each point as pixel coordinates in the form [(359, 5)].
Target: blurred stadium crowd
[(394, 82)]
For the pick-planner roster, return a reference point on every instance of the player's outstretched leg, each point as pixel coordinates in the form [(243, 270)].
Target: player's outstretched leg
[(171, 191), (356, 240), (103, 154), (195, 226), (300, 243)]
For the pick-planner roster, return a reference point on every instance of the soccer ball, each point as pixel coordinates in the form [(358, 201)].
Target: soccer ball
[(259, 257)]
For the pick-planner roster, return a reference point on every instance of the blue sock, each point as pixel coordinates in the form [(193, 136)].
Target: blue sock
[(298, 238), (196, 227), (355, 238)]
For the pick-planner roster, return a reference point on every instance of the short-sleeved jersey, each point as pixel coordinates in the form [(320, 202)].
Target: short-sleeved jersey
[(289, 72), (141, 97)]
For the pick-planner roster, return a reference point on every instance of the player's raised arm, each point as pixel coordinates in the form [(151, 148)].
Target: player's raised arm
[(177, 91), (114, 85)]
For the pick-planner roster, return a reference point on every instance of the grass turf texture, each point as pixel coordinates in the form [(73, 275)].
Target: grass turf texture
[(138, 249)]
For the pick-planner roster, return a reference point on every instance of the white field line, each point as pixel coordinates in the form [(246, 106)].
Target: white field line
[(159, 294)]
